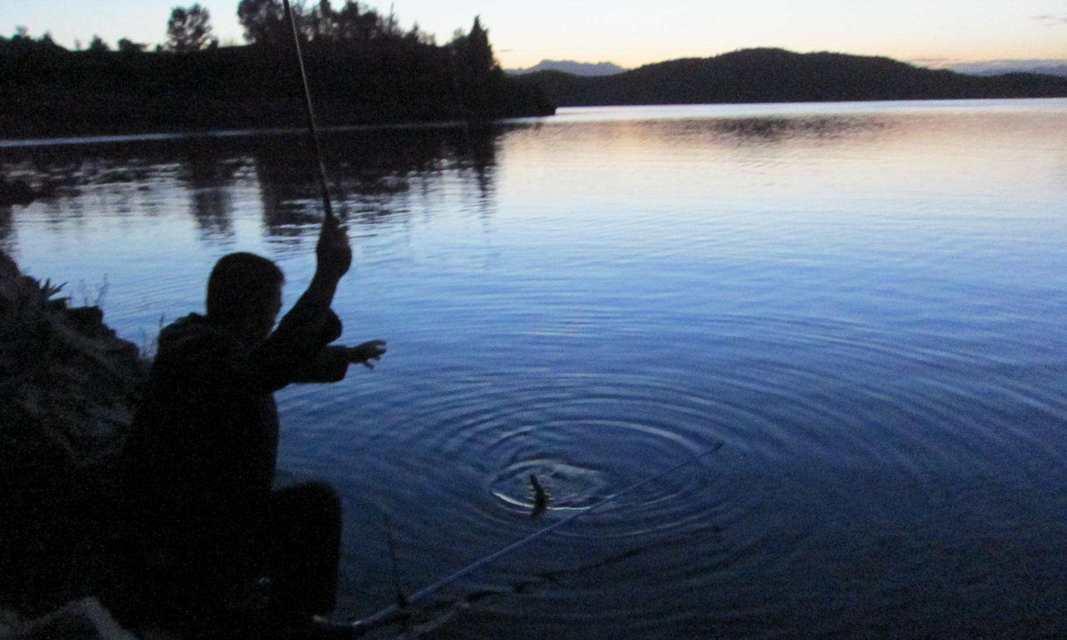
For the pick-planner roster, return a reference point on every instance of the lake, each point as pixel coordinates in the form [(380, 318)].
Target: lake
[(863, 302)]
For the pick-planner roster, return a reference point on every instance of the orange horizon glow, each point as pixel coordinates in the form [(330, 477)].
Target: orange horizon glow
[(632, 33)]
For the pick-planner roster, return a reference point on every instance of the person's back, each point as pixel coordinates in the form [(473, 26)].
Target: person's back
[(199, 461), (200, 457)]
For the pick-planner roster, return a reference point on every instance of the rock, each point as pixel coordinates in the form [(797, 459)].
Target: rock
[(84, 619), (8, 268), (15, 192), (64, 369), (89, 321), (9, 620), (69, 386)]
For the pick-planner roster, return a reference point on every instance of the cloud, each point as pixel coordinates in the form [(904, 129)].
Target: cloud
[(932, 62), (935, 62), (1051, 20)]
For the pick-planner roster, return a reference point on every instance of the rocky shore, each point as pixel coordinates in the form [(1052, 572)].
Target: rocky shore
[(67, 388)]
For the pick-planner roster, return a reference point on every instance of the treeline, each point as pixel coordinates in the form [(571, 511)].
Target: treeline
[(776, 75), (362, 67)]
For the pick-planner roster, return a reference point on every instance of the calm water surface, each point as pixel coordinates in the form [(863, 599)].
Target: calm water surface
[(864, 302)]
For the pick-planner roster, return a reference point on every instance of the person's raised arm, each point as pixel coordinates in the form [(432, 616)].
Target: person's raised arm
[(333, 256), (298, 350), (310, 325)]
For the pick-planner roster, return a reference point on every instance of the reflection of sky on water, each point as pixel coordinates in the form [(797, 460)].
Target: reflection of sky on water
[(150, 210), (864, 302), (732, 177)]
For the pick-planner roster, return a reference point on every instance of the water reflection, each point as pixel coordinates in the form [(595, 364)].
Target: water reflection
[(865, 303), (210, 181), (374, 175), (779, 129), (385, 175)]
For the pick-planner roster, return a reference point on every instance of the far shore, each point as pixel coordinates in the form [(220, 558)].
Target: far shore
[(60, 139)]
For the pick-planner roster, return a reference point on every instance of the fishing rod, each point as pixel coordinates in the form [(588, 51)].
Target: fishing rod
[(363, 625), (366, 624), (310, 110)]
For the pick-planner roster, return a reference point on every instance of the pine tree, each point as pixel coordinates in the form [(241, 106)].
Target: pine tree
[(190, 29), (479, 53)]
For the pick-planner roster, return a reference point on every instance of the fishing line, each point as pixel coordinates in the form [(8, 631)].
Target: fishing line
[(365, 624), (401, 599), (310, 110)]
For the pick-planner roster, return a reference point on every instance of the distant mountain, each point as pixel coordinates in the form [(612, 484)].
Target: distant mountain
[(572, 67), (997, 67), (776, 75)]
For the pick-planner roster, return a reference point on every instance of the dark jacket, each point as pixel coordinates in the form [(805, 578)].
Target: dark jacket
[(199, 461)]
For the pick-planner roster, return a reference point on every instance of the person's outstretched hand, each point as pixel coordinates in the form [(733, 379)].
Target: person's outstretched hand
[(333, 252), (367, 354)]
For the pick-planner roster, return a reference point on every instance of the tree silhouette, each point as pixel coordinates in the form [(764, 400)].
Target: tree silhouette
[(263, 21), (357, 24), (22, 42), (190, 29), (363, 65), (97, 45), (418, 36), (322, 22), (129, 46), (478, 76), (478, 52)]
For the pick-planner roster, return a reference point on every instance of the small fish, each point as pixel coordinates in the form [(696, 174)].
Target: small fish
[(540, 497)]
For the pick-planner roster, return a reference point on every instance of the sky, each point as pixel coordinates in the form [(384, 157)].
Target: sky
[(632, 33)]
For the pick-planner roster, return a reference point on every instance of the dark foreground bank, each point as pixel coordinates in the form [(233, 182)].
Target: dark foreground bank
[(69, 385)]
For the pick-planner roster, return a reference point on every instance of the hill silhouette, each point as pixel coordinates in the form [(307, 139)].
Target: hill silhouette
[(777, 75)]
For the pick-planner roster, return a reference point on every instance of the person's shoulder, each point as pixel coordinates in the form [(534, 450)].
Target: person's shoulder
[(190, 336)]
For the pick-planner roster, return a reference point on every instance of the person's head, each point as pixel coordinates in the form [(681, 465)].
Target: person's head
[(244, 294)]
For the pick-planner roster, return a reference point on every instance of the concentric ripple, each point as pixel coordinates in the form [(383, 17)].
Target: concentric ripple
[(863, 302), (566, 486)]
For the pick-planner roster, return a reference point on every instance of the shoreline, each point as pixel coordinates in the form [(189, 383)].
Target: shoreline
[(71, 385), (232, 133), (16, 143), (25, 134)]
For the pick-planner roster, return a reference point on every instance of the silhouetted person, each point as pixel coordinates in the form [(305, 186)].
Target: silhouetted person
[(199, 462)]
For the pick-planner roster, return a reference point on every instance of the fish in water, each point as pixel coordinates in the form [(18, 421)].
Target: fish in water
[(540, 497)]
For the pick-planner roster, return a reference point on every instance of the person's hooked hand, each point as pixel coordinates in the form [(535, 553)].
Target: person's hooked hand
[(367, 353), (333, 251)]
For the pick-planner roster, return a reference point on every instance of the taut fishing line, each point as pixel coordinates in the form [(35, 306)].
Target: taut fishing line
[(366, 624), (375, 619)]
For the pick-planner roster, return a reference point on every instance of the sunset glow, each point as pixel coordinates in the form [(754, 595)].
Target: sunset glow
[(631, 33)]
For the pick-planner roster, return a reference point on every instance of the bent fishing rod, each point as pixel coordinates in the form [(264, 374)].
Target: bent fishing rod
[(358, 627), (378, 618), (310, 110)]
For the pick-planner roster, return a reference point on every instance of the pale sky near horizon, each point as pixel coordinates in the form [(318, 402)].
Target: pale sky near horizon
[(632, 33)]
